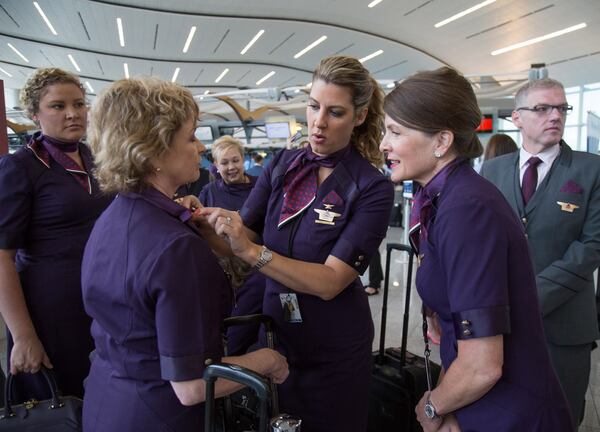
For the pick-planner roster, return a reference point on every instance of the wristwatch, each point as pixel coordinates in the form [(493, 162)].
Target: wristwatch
[(265, 257), (430, 410)]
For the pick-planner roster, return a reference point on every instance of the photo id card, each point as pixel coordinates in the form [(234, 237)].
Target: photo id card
[(291, 308)]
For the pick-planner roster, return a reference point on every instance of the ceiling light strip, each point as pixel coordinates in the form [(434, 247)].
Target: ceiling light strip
[(175, 74), (17, 52), (266, 77), (120, 31), (45, 18), (311, 46), (539, 39), (2, 70), (189, 39), (126, 70), (74, 62), (89, 86), (374, 3), (220, 77), (370, 56), (254, 39), (463, 13)]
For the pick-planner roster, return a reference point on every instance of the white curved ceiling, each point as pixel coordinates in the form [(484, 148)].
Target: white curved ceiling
[(155, 33)]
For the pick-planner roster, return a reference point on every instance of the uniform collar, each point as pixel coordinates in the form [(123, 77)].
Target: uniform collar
[(548, 156), (160, 200)]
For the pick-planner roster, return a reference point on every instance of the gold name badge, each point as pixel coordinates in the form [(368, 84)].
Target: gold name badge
[(567, 207), (326, 217)]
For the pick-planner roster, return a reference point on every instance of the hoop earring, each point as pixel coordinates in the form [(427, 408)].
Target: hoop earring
[(437, 155)]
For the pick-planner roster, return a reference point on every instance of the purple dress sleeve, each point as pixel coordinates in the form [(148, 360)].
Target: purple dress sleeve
[(367, 227), (185, 309), (16, 195), (473, 253)]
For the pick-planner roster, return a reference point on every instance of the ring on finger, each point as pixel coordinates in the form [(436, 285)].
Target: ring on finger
[(228, 219)]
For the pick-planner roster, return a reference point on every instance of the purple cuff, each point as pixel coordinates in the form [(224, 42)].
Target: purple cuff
[(476, 323), (351, 255), (184, 368)]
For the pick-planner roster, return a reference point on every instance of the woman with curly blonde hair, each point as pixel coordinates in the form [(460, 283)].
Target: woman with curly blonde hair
[(322, 212), (50, 201), (150, 282)]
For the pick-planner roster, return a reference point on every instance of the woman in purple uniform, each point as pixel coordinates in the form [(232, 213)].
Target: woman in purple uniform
[(150, 282), (229, 191), (475, 269), (50, 201), (322, 212)]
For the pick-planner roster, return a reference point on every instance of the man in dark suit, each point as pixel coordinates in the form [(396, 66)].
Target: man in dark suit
[(556, 193)]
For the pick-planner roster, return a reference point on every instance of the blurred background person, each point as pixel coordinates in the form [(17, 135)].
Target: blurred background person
[(498, 145), (322, 211), (229, 191), (50, 201), (257, 168), (475, 269), (150, 282)]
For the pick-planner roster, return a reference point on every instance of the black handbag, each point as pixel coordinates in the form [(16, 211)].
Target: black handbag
[(57, 414)]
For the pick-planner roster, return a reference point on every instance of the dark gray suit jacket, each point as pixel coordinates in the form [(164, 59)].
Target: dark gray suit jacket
[(565, 245)]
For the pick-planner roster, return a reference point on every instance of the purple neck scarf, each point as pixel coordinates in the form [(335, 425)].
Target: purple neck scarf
[(422, 212), (301, 181)]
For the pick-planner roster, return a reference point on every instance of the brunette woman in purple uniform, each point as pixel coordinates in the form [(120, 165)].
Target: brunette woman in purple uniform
[(229, 191), (475, 269), (50, 201), (322, 212), (150, 282)]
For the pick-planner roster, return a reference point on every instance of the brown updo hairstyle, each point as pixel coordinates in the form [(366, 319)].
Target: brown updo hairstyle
[(348, 72), (433, 101), (498, 145)]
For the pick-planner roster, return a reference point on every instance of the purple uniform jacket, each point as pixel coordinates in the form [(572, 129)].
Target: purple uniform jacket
[(249, 297), (47, 216), (476, 274), (329, 353), (153, 288)]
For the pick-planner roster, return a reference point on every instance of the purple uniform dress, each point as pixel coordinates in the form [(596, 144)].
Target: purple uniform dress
[(154, 291), (329, 352), (47, 217), (476, 274), (249, 297)]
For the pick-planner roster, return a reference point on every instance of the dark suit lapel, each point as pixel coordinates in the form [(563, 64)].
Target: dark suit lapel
[(517, 198), (554, 179)]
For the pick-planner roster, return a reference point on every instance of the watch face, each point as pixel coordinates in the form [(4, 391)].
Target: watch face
[(429, 411)]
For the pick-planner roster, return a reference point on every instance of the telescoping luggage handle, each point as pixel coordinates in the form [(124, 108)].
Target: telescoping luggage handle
[(267, 321), (409, 250), (241, 375)]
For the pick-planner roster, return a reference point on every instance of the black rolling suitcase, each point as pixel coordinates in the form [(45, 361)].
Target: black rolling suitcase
[(241, 409), (254, 381), (399, 378)]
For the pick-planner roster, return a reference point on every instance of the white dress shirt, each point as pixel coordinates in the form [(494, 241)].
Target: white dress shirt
[(548, 156)]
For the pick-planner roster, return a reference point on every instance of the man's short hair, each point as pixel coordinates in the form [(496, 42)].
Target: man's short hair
[(543, 83)]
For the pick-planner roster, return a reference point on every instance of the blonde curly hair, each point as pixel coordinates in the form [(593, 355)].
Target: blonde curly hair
[(132, 123), (37, 85), (222, 144), (348, 72)]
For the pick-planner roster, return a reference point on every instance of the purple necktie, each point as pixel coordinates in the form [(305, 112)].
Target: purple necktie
[(530, 178)]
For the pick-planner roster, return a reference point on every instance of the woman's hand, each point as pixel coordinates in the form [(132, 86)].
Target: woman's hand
[(278, 369), (190, 202), (450, 424), (229, 225), (27, 355), (428, 425)]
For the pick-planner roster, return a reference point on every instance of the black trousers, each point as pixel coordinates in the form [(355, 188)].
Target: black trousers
[(375, 270)]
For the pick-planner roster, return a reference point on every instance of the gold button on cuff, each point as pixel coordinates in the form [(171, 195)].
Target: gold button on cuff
[(208, 362), (361, 257), (357, 263), (466, 322), (467, 332)]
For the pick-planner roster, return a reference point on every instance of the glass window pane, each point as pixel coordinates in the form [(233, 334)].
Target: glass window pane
[(570, 137), (591, 102), (573, 117)]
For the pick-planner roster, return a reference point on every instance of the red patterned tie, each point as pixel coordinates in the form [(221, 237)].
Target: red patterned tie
[(530, 178)]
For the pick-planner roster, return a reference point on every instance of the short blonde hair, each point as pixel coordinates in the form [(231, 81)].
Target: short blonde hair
[(132, 122), (37, 85), (223, 144)]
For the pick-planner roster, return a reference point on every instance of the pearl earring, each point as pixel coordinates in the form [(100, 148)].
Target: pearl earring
[(437, 155), (157, 169)]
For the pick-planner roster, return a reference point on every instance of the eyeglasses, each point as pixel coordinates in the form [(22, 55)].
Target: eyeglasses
[(544, 109)]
